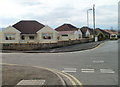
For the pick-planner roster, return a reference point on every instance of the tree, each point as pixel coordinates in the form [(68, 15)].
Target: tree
[(100, 36)]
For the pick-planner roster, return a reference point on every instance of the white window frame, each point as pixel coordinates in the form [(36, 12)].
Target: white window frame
[(31, 38), (47, 36), (10, 36)]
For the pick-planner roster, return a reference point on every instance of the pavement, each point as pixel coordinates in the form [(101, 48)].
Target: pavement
[(14, 75), (72, 48)]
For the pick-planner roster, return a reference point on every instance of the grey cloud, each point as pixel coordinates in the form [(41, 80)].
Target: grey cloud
[(58, 16), (62, 12), (105, 15), (26, 2), (108, 9), (30, 3), (7, 21)]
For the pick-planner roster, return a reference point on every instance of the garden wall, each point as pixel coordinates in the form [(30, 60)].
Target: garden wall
[(40, 46)]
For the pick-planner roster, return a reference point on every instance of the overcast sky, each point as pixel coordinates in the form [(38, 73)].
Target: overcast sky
[(57, 12)]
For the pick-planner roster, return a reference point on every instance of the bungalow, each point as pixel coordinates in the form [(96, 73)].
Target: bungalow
[(68, 32), (10, 35), (0, 36), (113, 34), (101, 34), (87, 32), (29, 32)]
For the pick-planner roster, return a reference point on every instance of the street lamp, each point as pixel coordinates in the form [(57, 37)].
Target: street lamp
[(94, 22), (88, 17)]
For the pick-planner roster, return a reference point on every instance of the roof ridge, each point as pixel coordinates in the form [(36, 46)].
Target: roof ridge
[(28, 26), (72, 25)]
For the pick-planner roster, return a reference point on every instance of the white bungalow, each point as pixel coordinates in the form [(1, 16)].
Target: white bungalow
[(29, 32)]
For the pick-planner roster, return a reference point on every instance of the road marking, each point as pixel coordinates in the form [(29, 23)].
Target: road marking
[(53, 71), (72, 79), (107, 71), (41, 68), (79, 83), (69, 70), (88, 70), (98, 61), (73, 83), (31, 82)]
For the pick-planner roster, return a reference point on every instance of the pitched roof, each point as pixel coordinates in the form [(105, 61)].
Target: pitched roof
[(91, 31), (66, 32), (84, 30), (98, 30), (28, 27), (66, 27), (111, 32)]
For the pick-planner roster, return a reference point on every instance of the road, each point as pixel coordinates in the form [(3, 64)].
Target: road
[(98, 66)]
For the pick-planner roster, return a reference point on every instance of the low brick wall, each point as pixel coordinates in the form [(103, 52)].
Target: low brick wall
[(40, 46)]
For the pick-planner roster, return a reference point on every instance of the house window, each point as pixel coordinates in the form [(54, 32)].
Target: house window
[(47, 35), (79, 35), (31, 37), (23, 37), (64, 35), (87, 35), (10, 36)]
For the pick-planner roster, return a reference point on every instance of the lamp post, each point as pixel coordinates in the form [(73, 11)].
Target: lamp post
[(94, 22), (88, 17)]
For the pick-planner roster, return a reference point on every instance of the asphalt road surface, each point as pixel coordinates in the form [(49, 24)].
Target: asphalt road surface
[(98, 66)]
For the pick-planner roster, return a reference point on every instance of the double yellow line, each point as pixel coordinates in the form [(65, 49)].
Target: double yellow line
[(71, 78), (74, 81)]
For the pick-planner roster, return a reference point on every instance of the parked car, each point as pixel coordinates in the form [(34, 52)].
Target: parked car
[(113, 37)]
